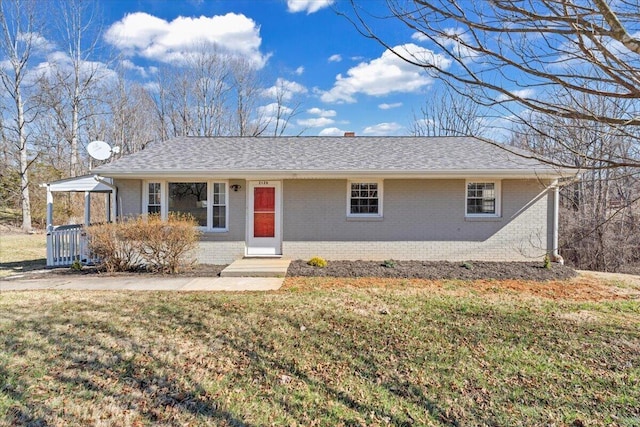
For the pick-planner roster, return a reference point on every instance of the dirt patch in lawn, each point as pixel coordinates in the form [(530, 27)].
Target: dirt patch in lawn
[(576, 289), (434, 270)]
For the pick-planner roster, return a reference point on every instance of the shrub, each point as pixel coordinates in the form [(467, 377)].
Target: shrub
[(166, 245), (76, 266), (114, 247), (151, 244), (317, 261), (547, 262), (467, 264), (389, 263)]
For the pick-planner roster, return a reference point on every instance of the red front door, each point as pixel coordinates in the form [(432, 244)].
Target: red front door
[(264, 212), (264, 218)]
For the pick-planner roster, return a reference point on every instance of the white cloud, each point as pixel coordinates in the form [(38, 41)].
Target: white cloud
[(150, 37), (269, 112), (299, 70), (335, 58), (6, 65), (382, 129), (39, 43), (322, 113), (419, 37), (386, 74), (284, 89), (152, 87), (61, 64), (128, 65), (386, 106), (315, 122), (331, 132), (309, 6), (455, 41), (522, 93)]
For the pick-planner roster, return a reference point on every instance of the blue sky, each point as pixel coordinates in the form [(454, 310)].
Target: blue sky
[(343, 81)]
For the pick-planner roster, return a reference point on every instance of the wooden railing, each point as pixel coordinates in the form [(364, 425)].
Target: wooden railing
[(66, 244)]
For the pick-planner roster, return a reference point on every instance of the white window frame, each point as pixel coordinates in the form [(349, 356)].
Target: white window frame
[(379, 182), (164, 200), (210, 189), (498, 192), (146, 194)]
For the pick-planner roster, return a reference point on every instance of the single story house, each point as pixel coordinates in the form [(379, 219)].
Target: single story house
[(349, 198)]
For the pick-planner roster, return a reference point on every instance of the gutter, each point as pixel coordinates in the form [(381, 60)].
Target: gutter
[(341, 174)]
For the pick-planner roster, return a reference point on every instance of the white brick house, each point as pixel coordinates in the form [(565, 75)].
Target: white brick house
[(375, 198)]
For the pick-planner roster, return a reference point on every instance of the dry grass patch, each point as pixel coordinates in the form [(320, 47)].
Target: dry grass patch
[(581, 288), (20, 252)]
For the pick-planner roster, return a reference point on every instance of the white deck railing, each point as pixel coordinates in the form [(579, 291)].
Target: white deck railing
[(66, 244)]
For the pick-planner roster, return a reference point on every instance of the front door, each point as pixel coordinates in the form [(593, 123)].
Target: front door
[(264, 218)]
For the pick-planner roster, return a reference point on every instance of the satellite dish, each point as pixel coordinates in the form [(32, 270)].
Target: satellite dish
[(100, 150)]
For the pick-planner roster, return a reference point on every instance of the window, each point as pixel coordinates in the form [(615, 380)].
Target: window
[(482, 198), (364, 199), (206, 202), (153, 200), (189, 198), (219, 205)]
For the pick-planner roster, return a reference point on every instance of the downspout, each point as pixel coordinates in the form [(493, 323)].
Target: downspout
[(49, 208), (555, 256)]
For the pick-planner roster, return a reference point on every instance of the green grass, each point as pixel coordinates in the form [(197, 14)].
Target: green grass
[(20, 252), (400, 355)]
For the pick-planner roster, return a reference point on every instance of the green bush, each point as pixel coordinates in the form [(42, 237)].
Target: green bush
[(389, 263), (145, 243), (317, 261), (547, 262)]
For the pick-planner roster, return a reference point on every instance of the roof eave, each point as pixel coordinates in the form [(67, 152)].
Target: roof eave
[(340, 174)]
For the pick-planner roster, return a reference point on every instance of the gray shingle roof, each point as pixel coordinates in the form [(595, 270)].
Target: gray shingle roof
[(324, 155)]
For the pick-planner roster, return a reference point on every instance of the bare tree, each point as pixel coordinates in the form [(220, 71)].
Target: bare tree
[(209, 74), (21, 32), (212, 93), (447, 113), (76, 76), (130, 123), (520, 55), (246, 91), (278, 114), (599, 221)]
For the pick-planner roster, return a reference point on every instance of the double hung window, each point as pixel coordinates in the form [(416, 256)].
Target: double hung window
[(364, 199), (482, 198)]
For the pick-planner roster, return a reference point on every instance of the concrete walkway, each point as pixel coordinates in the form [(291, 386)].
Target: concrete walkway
[(47, 281), (257, 267)]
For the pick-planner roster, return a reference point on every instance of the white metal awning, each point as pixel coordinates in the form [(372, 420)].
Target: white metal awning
[(90, 183)]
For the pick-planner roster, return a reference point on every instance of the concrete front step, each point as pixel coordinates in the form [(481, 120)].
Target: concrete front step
[(257, 267)]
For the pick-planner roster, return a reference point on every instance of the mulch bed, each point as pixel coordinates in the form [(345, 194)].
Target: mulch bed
[(434, 270), (199, 270)]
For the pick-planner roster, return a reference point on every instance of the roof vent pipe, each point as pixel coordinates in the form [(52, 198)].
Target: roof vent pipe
[(349, 134)]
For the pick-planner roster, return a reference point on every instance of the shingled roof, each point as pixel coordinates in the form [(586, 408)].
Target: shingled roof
[(289, 157)]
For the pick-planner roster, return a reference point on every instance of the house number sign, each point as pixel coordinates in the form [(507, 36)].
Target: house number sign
[(263, 182)]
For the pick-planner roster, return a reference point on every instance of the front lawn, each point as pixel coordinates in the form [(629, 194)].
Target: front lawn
[(325, 351), (22, 252)]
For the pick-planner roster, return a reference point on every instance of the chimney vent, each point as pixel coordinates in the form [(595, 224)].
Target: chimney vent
[(349, 134)]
